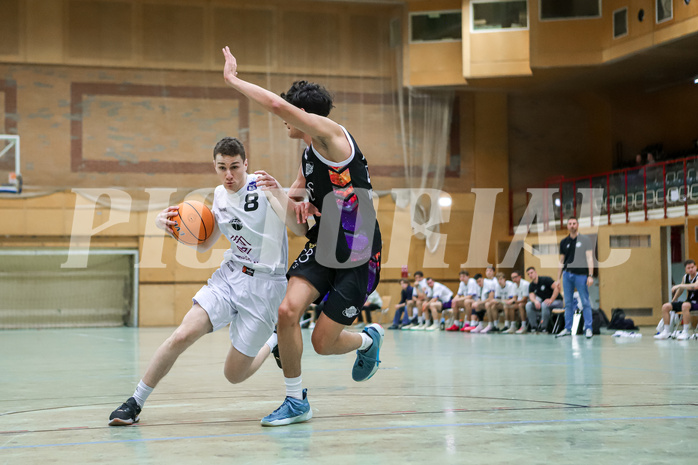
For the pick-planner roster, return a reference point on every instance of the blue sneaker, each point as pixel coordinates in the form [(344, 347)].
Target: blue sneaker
[(367, 361), (291, 411)]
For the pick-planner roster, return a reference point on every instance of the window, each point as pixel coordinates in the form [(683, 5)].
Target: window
[(555, 9), (546, 249), (490, 15), (436, 26), (665, 10), (620, 23), (630, 241)]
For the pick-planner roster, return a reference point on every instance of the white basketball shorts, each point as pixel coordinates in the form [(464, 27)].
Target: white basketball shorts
[(249, 303)]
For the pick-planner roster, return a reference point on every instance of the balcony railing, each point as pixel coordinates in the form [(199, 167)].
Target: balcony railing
[(660, 190)]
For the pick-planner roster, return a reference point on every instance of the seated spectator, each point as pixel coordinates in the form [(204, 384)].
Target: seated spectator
[(689, 283), (414, 305), (650, 159), (521, 299), (504, 298), (458, 303), (401, 308), (480, 308), (373, 302), (438, 298), (543, 296), (472, 296)]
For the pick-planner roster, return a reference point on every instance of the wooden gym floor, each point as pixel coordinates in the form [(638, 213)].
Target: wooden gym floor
[(438, 398)]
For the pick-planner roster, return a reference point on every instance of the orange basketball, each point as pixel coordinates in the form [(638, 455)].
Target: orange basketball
[(194, 223)]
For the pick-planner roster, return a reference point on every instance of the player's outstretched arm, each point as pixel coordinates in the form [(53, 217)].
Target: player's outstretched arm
[(283, 206), (326, 134)]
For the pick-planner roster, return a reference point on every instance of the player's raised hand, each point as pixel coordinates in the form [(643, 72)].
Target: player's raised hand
[(230, 70), (163, 220)]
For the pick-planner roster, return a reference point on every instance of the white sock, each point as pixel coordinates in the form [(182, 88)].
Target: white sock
[(686, 328), (294, 387), (272, 341), (366, 341), (507, 323), (473, 322), (142, 393)]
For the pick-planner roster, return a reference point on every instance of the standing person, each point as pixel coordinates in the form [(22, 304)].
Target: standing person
[(577, 271), (333, 169), (689, 283), (244, 292), (543, 296), (401, 308)]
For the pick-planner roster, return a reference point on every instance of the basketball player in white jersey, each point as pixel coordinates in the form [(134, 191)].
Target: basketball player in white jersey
[(245, 291)]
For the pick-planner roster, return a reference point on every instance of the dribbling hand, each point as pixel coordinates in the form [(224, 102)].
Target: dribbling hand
[(163, 220)]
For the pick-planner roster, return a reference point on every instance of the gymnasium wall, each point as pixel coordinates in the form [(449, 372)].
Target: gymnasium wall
[(139, 106)]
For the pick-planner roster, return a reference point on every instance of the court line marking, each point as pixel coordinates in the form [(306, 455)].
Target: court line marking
[(296, 432), (554, 406)]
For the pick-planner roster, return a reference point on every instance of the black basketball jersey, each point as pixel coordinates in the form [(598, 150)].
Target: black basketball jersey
[(350, 184), (691, 296)]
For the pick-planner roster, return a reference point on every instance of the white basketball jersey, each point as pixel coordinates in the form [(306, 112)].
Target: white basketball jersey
[(257, 235)]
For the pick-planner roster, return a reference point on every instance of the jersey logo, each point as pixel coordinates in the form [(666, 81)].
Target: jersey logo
[(242, 244), (236, 223), (252, 186), (350, 312), (579, 244), (309, 168)]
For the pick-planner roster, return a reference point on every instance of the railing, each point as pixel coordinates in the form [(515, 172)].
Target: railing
[(660, 190)]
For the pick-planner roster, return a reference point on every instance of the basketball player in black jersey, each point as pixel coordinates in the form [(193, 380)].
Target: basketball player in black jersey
[(342, 256)]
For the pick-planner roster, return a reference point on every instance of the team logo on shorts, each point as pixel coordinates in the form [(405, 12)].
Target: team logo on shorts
[(350, 312), (236, 223), (308, 169)]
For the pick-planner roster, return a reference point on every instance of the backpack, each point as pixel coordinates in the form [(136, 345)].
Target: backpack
[(597, 321), (619, 321)]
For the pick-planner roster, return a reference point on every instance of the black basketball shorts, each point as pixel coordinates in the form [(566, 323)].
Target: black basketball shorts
[(348, 288)]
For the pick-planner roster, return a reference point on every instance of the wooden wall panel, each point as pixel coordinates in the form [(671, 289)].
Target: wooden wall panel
[(9, 27), (621, 286), (100, 30), (559, 134), (45, 32), (173, 34), (369, 33), (310, 42), (248, 32)]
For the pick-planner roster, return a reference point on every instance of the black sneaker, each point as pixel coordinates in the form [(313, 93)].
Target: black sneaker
[(125, 415)]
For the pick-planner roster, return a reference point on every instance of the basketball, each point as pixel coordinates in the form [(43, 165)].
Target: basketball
[(194, 223)]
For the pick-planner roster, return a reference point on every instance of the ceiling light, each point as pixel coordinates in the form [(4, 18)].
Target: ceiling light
[(445, 201)]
